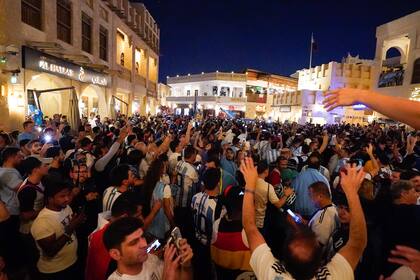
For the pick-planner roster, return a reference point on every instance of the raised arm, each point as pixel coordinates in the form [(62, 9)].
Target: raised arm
[(103, 161), (253, 235), (356, 244), (409, 112), (187, 135), (324, 142), (375, 164)]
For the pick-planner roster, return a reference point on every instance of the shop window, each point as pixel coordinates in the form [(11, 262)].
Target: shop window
[(103, 43), (86, 33), (31, 11), (224, 91), (124, 55), (64, 20), (416, 72)]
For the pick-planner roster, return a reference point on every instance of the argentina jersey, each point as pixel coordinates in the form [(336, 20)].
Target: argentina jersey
[(203, 207), (187, 182)]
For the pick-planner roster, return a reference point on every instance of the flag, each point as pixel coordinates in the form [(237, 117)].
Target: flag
[(314, 45)]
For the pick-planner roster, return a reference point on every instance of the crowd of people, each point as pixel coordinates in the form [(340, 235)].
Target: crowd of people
[(176, 197)]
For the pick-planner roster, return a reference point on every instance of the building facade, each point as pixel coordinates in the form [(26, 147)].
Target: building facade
[(104, 54), (249, 94), (164, 91), (352, 72), (398, 57)]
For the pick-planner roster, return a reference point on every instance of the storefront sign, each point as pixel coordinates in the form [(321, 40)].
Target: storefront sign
[(39, 61)]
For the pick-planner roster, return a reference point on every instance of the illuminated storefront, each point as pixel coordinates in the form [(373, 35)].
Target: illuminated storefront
[(48, 82)]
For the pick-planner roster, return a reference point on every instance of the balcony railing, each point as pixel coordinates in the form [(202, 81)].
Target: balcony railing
[(217, 99)]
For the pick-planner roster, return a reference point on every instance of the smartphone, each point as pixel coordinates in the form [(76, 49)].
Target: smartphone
[(154, 246), (295, 217), (175, 237)]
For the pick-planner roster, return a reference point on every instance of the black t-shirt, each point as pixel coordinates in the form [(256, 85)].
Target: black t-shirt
[(401, 227), (57, 171), (340, 237), (27, 199)]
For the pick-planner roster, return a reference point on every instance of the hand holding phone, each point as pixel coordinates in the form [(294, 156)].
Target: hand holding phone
[(175, 238), (295, 217)]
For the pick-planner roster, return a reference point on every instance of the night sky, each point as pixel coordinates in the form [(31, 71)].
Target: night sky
[(269, 35)]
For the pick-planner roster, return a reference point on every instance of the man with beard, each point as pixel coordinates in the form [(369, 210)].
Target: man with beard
[(53, 231), (227, 161)]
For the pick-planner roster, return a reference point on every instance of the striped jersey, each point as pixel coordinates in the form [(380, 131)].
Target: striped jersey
[(271, 155), (110, 195), (203, 208), (187, 182)]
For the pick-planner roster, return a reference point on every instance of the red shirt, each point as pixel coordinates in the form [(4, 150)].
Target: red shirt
[(98, 258), (274, 178)]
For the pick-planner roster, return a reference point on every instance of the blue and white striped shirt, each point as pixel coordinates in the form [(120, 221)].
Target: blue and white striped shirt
[(187, 182)]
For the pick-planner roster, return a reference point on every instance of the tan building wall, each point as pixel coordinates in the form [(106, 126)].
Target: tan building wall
[(133, 83), (352, 72)]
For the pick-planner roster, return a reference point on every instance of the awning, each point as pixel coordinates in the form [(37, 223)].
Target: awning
[(57, 50)]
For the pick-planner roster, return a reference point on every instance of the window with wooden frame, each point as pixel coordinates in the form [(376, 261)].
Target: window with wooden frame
[(64, 20), (86, 33), (31, 12)]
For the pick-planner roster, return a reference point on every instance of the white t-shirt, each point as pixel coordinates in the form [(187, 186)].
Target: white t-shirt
[(152, 270), (403, 273), (110, 195), (173, 161), (47, 223), (266, 266), (261, 200), (324, 223), (144, 166)]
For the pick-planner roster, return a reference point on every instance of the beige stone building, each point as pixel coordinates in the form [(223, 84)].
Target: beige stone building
[(164, 91), (352, 72), (105, 53)]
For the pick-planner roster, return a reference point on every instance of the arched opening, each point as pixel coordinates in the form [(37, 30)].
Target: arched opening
[(416, 72), (50, 102), (92, 101), (392, 72)]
